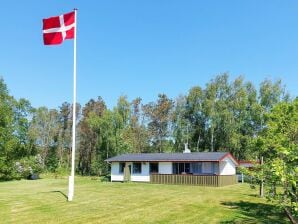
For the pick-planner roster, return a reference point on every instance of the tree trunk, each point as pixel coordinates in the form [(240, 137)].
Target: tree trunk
[(292, 219), (262, 181), (160, 141), (90, 159), (198, 143), (68, 157), (160, 147), (212, 140), (107, 155)]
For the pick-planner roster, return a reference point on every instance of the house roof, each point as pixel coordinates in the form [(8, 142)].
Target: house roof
[(246, 163), (172, 157)]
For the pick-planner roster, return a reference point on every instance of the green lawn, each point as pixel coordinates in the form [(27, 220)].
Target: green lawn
[(44, 201)]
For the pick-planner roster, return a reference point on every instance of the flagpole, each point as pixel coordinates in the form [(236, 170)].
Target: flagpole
[(73, 153)]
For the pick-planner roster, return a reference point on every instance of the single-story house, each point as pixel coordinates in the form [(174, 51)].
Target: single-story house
[(248, 165), (198, 168)]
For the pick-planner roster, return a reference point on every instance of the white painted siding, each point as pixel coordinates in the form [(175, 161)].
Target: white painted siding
[(165, 168), (227, 167), (115, 176), (144, 176)]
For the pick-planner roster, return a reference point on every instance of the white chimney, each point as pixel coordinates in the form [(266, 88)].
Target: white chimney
[(186, 149)]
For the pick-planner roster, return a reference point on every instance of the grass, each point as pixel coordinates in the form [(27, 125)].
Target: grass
[(44, 201)]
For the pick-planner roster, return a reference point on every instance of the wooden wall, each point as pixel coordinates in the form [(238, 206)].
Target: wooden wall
[(208, 180)]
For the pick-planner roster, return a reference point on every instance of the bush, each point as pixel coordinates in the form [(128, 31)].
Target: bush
[(8, 170), (106, 178), (28, 167)]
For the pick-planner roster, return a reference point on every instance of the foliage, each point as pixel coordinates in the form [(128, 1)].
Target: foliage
[(158, 115), (89, 132), (281, 138), (278, 143), (28, 166), (225, 115), (15, 141)]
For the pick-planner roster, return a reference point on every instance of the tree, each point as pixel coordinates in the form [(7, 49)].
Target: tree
[(215, 107), (89, 133), (64, 137), (180, 123), (8, 142), (44, 129), (282, 143), (135, 135), (22, 113), (121, 116), (15, 142), (159, 116), (278, 143), (241, 100), (271, 94)]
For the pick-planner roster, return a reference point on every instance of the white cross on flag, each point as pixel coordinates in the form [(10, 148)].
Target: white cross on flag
[(58, 28)]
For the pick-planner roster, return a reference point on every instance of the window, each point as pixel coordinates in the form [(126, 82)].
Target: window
[(215, 168), (121, 167), (197, 167), (137, 168), (153, 167), (186, 167), (179, 168), (175, 168)]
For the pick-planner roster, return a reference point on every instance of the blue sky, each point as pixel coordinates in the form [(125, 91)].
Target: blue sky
[(142, 48)]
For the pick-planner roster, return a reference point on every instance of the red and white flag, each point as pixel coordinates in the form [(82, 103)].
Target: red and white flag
[(56, 29)]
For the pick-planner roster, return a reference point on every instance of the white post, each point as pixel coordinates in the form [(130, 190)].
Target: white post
[(73, 153)]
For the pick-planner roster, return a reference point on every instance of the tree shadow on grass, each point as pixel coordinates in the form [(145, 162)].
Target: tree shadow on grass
[(250, 212), (253, 195)]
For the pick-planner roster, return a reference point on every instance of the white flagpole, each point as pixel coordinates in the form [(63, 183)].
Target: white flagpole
[(73, 153)]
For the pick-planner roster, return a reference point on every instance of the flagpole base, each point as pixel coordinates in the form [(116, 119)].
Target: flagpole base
[(70, 188)]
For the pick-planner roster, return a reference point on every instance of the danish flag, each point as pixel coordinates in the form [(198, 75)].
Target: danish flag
[(56, 29)]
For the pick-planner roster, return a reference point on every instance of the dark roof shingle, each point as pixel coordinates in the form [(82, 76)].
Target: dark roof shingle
[(147, 157)]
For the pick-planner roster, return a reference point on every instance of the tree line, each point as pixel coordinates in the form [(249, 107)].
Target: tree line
[(223, 116)]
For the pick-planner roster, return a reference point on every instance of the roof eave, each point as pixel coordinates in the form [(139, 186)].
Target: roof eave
[(194, 160), (228, 154)]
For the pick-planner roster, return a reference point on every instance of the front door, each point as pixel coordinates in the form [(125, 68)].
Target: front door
[(127, 172)]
